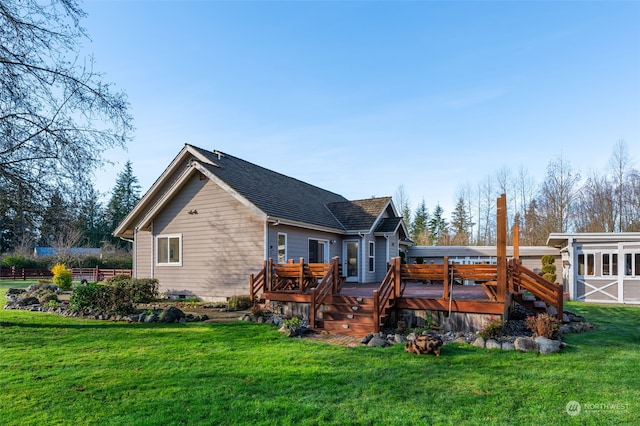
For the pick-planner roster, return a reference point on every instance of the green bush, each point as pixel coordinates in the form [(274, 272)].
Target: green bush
[(18, 260), (118, 295), (492, 330), (239, 302), (549, 268)]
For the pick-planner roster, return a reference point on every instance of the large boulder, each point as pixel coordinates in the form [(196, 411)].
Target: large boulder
[(171, 314), (548, 346), (525, 344)]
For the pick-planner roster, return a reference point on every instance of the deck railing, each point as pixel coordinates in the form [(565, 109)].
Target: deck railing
[(329, 284), (390, 288), (257, 283), (521, 278)]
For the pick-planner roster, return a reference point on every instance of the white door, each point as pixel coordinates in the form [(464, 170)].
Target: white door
[(351, 263)]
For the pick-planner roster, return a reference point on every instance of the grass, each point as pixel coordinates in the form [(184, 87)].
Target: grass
[(74, 372)]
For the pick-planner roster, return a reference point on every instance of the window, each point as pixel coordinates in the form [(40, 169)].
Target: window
[(169, 249), (632, 264), (609, 264), (282, 248), (372, 256), (318, 251), (586, 264)]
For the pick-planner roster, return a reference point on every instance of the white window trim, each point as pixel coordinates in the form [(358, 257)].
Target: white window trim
[(586, 255), (325, 253), (286, 243), (371, 264), (613, 272), (179, 236)]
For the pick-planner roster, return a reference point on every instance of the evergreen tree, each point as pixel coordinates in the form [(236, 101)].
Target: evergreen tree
[(56, 220), (92, 221), (438, 228), (418, 228), (124, 197), (461, 223)]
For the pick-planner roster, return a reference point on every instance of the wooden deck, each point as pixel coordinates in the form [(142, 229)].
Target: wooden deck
[(358, 309), (361, 308)]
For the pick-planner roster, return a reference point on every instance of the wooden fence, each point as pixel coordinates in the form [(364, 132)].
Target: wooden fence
[(78, 274)]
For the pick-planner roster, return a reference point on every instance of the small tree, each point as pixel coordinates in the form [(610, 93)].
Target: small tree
[(61, 276), (549, 268)]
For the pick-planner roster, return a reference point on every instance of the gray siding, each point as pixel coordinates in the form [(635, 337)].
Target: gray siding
[(298, 242), (221, 245)]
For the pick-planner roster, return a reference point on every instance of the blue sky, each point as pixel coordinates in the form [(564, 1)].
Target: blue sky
[(360, 97)]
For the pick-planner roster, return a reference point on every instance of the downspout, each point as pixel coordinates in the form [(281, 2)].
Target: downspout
[(266, 239)]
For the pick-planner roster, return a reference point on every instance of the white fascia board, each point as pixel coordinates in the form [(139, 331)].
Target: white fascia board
[(304, 225), (127, 223), (166, 197), (222, 184)]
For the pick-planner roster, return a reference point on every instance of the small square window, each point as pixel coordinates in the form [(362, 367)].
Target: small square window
[(169, 249)]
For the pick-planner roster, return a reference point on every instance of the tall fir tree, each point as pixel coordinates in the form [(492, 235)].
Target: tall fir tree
[(461, 223), (438, 228), (124, 197), (418, 230)]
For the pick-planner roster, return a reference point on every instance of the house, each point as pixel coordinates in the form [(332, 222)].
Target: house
[(600, 267), (71, 251), (212, 219)]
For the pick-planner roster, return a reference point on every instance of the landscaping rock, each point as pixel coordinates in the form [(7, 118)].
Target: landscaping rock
[(479, 342), (171, 314), (377, 341), (508, 346), (525, 344), (366, 339), (492, 344), (28, 301), (150, 318), (547, 346), (460, 339)]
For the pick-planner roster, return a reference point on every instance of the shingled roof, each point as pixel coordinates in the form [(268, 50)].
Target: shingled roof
[(359, 215), (277, 195)]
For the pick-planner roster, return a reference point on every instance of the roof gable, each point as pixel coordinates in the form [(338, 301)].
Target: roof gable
[(359, 215)]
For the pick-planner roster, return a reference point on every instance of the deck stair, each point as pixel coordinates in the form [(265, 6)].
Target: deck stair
[(530, 302), (347, 315)]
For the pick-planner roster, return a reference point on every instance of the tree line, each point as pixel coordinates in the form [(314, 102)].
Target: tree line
[(565, 201), (67, 218)]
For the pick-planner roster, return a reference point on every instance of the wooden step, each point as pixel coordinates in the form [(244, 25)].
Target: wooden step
[(348, 329)]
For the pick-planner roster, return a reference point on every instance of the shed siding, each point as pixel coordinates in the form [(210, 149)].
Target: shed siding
[(632, 291), (221, 245)]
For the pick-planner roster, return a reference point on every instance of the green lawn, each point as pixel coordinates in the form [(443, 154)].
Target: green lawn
[(56, 370)]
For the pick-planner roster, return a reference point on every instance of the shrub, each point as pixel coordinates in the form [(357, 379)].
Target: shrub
[(492, 330), (17, 260), (549, 268), (61, 276), (239, 302), (543, 325), (116, 295), (292, 323)]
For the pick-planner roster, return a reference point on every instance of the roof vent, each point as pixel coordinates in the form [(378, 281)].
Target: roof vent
[(219, 154)]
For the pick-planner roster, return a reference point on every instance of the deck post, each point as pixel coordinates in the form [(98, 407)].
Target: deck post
[(445, 268), (268, 275), (301, 277), (560, 298), (501, 248), (376, 312), (335, 275), (312, 311), (397, 278)]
